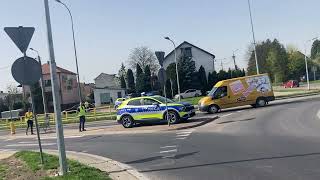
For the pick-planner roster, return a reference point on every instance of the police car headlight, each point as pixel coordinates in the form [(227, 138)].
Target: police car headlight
[(183, 108)]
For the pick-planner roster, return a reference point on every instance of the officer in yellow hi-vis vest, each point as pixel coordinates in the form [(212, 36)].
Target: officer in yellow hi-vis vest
[(29, 118), (82, 117)]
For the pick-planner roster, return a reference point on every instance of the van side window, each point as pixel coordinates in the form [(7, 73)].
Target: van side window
[(221, 92)]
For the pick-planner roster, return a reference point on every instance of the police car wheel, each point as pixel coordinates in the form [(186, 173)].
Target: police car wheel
[(173, 117), (127, 121)]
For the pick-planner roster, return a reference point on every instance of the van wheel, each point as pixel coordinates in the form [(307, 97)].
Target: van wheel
[(261, 102), (213, 109), (173, 117), (127, 121)]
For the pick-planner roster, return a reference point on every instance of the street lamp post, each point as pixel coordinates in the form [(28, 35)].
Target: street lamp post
[(305, 60), (45, 108), (175, 57), (254, 39), (234, 59), (74, 47)]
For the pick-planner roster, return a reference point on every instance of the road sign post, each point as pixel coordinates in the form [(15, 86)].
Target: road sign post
[(55, 94), (25, 70), (162, 79)]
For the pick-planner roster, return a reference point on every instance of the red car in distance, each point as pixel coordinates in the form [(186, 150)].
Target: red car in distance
[(291, 84)]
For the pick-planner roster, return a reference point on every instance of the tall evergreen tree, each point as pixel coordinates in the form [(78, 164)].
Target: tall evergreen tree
[(186, 69), (168, 89), (140, 84), (123, 82), (222, 75), (203, 80), (147, 79), (130, 80)]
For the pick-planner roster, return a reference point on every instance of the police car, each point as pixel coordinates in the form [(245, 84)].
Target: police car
[(152, 108)]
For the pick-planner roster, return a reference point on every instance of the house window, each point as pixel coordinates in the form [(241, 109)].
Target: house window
[(47, 83), (119, 94), (186, 52)]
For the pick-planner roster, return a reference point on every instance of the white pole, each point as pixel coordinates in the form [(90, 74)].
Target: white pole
[(305, 60), (55, 94), (254, 39)]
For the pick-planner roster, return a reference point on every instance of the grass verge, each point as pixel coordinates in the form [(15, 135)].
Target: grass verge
[(76, 169), (3, 170)]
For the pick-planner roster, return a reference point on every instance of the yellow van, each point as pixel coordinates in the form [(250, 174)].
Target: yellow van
[(253, 90)]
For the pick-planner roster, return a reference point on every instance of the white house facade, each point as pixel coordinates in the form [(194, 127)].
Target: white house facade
[(107, 89), (198, 55)]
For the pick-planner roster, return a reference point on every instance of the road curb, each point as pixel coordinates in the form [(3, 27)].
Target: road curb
[(115, 169)]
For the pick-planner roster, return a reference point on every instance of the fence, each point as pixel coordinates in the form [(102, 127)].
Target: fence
[(93, 114)]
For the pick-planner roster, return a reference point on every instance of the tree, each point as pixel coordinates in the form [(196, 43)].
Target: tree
[(143, 56), (168, 89), (147, 79), (139, 79), (37, 97), (123, 82), (262, 53), (171, 74), (186, 69), (203, 80), (122, 71), (222, 75), (315, 49), (130, 79), (296, 65), (212, 79)]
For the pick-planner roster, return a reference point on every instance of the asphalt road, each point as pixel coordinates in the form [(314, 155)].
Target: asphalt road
[(280, 141)]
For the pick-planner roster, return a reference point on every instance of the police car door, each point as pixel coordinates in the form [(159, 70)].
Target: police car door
[(152, 109)]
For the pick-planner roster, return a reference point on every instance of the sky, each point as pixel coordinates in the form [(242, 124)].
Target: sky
[(107, 30)]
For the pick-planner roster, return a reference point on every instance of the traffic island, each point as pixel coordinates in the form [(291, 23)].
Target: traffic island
[(26, 165)]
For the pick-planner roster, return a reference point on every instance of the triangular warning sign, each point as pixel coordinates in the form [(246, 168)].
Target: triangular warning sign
[(21, 36)]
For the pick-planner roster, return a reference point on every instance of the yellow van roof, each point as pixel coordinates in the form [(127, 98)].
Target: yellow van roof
[(234, 79)]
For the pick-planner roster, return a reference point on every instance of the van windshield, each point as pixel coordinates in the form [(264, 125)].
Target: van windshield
[(212, 91)]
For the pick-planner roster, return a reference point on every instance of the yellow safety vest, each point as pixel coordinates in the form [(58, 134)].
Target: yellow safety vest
[(82, 111), (28, 115)]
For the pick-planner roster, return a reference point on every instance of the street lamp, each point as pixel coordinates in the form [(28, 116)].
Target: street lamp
[(175, 57), (254, 39), (45, 108), (305, 60), (234, 59), (74, 47)]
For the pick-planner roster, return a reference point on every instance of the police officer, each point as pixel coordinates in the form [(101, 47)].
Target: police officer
[(28, 116), (82, 117)]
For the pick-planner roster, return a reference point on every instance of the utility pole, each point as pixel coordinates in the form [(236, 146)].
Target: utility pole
[(254, 39), (55, 94), (234, 59)]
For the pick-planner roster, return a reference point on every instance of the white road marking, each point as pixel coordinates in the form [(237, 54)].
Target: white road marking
[(168, 151), (180, 138), (35, 144), (66, 137), (26, 142), (318, 114), (183, 135), (170, 156), (184, 132), (239, 111), (225, 115), (164, 147)]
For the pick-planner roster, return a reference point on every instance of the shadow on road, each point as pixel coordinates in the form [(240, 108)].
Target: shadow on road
[(179, 156), (234, 162)]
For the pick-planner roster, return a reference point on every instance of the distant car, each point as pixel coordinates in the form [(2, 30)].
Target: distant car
[(118, 102), (291, 84), (188, 93)]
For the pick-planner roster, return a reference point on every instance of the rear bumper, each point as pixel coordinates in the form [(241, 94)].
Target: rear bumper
[(270, 98)]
